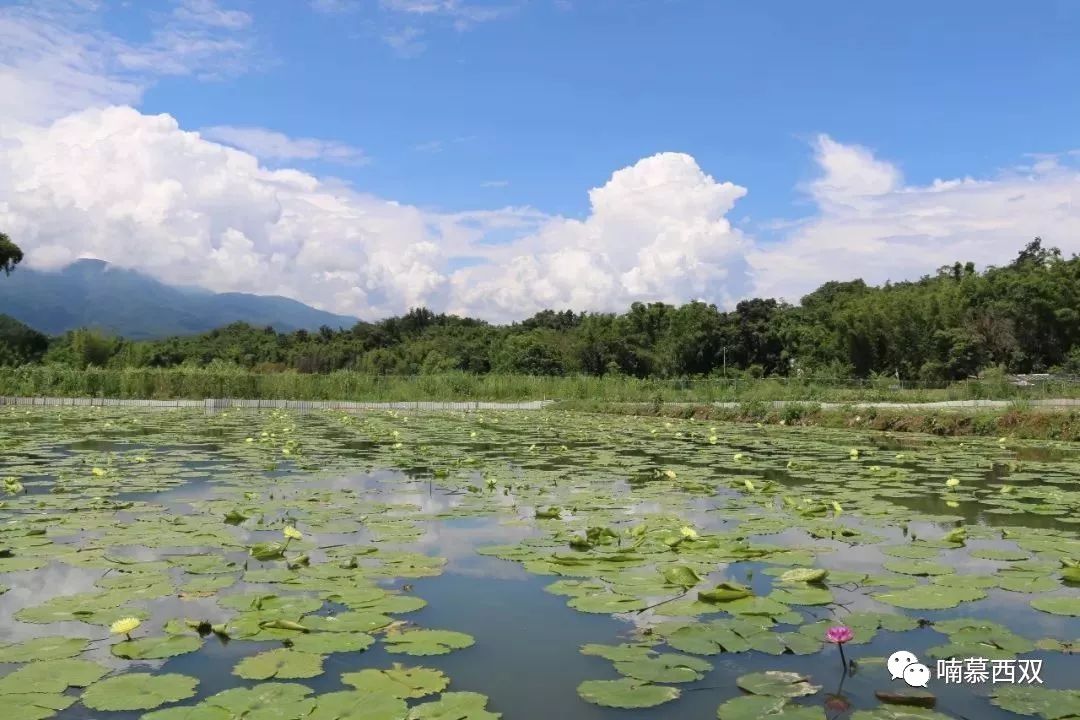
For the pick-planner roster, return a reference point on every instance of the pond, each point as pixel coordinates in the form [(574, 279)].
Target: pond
[(267, 565)]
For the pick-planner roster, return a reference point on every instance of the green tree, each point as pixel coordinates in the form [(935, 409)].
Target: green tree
[(10, 254)]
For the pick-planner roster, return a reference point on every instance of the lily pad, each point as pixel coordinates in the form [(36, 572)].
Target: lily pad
[(398, 681), (353, 705), (666, 667), (51, 676), (281, 664), (626, 693), (139, 691), (427, 642), (930, 597), (1058, 605), (775, 683), (155, 648), (455, 706), (44, 648), (324, 643)]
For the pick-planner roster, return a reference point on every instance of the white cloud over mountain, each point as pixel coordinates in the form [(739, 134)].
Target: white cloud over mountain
[(85, 174)]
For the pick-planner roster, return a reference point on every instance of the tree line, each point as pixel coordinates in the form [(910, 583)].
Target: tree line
[(1022, 317)]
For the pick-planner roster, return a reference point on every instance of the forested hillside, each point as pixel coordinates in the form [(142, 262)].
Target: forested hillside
[(950, 325)]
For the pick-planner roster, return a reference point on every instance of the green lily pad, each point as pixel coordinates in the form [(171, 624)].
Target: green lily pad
[(324, 643), (398, 681), (917, 567), (1036, 700), (138, 691), (353, 705), (666, 667), (154, 648), (348, 622), (281, 664), (775, 683), (930, 597), (455, 706), (44, 648), (899, 712), (34, 706), (51, 676), (427, 642), (265, 701), (626, 693), (1058, 605), (607, 603), (752, 707)]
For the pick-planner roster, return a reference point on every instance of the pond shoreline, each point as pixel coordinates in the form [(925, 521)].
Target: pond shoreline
[(1047, 420)]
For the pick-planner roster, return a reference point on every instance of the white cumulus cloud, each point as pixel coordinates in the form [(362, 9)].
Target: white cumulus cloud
[(873, 225), (272, 145)]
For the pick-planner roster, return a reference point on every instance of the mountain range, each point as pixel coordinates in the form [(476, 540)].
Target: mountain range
[(93, 293)]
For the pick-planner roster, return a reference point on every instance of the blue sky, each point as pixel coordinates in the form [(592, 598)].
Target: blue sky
[(549, 97), (501, 156)]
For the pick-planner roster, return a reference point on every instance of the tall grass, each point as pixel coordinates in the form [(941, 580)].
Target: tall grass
[(197, 383)]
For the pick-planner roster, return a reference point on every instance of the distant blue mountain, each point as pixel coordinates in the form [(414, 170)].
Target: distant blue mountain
[(93, 293)]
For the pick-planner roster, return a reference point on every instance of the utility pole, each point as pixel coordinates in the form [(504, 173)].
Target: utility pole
[(725, 362)]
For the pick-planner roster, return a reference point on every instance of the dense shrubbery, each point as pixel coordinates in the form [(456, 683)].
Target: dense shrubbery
[(1024, 317)]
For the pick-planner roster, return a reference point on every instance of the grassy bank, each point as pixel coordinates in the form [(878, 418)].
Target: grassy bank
[(1016, 421), (197, 383)]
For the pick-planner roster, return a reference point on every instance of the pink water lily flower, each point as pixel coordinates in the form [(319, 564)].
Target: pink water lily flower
[(839, 634)]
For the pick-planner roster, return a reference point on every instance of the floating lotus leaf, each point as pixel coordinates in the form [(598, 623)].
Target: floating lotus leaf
[(324, 642), (51, 676), (682, 576), (666, 668), (138, 691), (608, 603), (804, 595), (917, 567), (44, 648), (1060, 605), (427, 642), (398, 681), (804, 575), (34, 706), (201, 711), (912, 552), (617, 653), (930, 597), (899, 712), (753, 707), (280, 664), (1037, 700), (271, 605), (998, 554), (348, 622), (626, 693), (775, 683), (154, 648), (353, 705), (725, 592), (455, 706), (265, 701)]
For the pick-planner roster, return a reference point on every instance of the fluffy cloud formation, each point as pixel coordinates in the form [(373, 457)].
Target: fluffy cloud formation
[(871, 225), (57, 59), (84, 174), (656, 231), (139, 191), (271, 145)]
